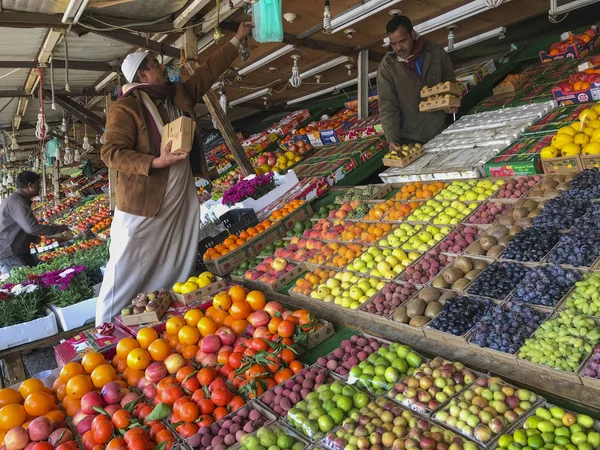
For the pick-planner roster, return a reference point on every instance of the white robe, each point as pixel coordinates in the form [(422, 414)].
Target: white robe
[(151, 253)]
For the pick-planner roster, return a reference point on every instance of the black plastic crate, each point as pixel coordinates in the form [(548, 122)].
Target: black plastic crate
[(211, 241), (237, 220)]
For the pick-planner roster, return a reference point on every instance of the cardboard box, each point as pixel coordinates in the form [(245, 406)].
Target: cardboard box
[(75, 347), (199, 294), (574, 98), (301, 213), (439, 104), (180, 133), (590, 161), (274, 232), (231, 260), (315, 338), (441, 89), (509, 87), (563, 164), (148, 316), (284, 280), (573, 51), (404, 161)]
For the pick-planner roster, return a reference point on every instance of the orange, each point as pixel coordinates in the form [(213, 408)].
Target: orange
[(125, 346), (12, 416), (134, 376), (188, 335), (71, 405), (174, 324), (193, 316), (222, 301), (239, 325), (256, 300), (240, 310), (55, 415), (91, 360), (219, 317), (34, 385), (138, 359), (39, 403), (79, 385), (102, 375), (189, 351), (159, 350), (207, 326), (237, 294), (146, 336), (9, 396)]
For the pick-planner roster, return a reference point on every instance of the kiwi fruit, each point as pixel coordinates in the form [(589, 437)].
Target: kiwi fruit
[(472, 274), (551, 193), (520, 212), (562, 187), (400, 315), (569, 177), (524, 222), (514, 230), (446, 296), (530, 205), (479, 264), (498, 231), (487, 242), (428, 294), (548, 183), (433, 309), (534, 213), (463, 264), (419, 321), (439, 282), (460, 285), (503, 241), (536, 193), (495, 251), (475, 249), (506, 221), (452, 274), (415, 307)]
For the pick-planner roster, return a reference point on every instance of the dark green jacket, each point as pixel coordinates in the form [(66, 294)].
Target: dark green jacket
[(399, 89)]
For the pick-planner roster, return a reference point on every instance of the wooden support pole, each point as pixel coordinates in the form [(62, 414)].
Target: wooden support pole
[(112, 173), (363, 84), (214, 107)]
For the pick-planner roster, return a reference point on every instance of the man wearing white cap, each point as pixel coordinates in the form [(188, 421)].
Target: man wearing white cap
[(156, 226)]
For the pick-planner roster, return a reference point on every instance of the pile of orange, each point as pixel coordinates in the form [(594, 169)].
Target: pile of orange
[(379, 210), (419, 191), (312, 280), (400, 211), (256, 230), (345, 255), (77, 379), (228, 245), (365, 233), (286, 210)]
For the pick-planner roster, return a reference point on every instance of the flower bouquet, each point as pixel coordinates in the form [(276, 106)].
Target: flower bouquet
[(65, 287), (254, 188)]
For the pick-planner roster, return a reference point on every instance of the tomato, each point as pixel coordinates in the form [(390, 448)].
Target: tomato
[(102, 431), (155, 429), (221, 397), (220, 412), (236, 403), (189, 412), (206, 376), (179, 403), (171, 394), (115, 444), (138, 443), (88, 440), (286, 328), (192, 384), (163, 436), (206, 406), (121, 419), (235, 360), (134, 433), (183, 373), (187, 430), (204, 420), (165, 383), (287, 355)]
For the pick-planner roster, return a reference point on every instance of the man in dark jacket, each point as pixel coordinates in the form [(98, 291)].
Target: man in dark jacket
[(403, 72), (18, 226)]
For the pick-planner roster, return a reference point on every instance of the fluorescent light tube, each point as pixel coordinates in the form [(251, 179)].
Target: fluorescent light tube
[(266, 60), (479, 38), (106, 81), (73, 13), (205, 42), (190, 11), (249, 97), (556, 10), (323, 67), (359, 13), (329, 89)]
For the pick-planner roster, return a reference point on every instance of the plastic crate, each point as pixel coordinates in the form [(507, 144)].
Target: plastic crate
[(211, 241), (237, 220)]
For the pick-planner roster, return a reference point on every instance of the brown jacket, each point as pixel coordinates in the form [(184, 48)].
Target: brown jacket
[(127, 148), (399, 89)]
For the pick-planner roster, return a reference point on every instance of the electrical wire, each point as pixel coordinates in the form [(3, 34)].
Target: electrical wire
[(127, 27), (553, 19), (10, 73)]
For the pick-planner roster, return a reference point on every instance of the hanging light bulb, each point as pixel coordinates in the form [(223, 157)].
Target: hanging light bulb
[(11, 156), (223, 101), (9, 179), (295, 80), (86, 144), (327, 17), (13, 142), (97, 140), (77, 155), (5, 180)]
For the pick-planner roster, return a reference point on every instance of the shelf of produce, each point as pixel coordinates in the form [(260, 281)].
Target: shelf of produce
[(545, 382)]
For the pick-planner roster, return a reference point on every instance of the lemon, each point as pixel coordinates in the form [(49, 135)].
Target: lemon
[(549, 152), (203, 281), (596, 136), (282, 159), (207, 274), (189, 287), (577, 126), (193, 279), (595, 124), (588, 131), (596, 108), (567, 130), (593, 148), (570, 150), (177, 287), (581, 139), (560, 140), (587, 115), (290, 156)]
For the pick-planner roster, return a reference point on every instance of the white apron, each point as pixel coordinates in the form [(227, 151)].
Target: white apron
[(151, 253)]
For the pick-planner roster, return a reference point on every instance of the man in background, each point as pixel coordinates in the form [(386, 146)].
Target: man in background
[(18, 226), (412, 63)]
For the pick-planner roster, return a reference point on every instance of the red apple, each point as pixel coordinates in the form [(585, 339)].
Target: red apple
[(210, 344), (112, 393), (259, 318), (89, 401), (272, 308), (155, 372)]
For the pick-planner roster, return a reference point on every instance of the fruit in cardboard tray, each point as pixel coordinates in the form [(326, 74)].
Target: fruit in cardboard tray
[(382, 424), (585, 185), (270, 270), (488, 212), (460, 314), (382, 263), (486, 408), (472, 190), (283, 397), (311, 280), (347, 289), (324, 211), (389, 298), (432, 384), (561, 213), (554, 428), (545, 285), (578, 336), (522, 210), (576, 250), (423, 308), (506, 327), (498, 280), (272, 247), (584, 299), (532, 244), (273, 437), (458, 240), (459, 275), (430, 265), (384, 368), (325, 408), (403, 151), (455, 212), (349, 354), (147, 302), (246, 265), (548, 184), (415, 237), (592, 368), (418, 190)]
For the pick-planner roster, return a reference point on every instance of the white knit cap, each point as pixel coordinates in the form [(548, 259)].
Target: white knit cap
[(131, 64)]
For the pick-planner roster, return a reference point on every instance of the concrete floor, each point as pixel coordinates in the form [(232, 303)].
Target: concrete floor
[(39, 360)]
